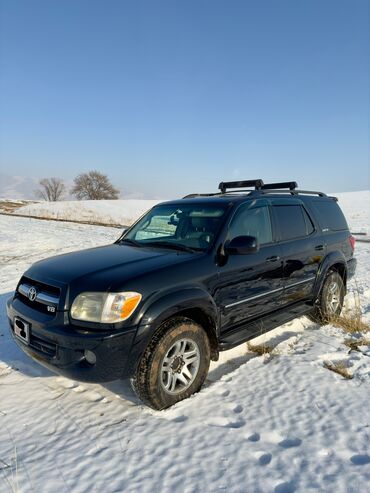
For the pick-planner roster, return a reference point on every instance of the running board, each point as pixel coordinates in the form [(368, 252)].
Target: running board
[(263, 325)]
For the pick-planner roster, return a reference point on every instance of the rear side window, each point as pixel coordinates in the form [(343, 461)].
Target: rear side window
[(293, 221), (329, 215)]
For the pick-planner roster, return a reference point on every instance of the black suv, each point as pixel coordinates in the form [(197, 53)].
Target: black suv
[(190, 278)]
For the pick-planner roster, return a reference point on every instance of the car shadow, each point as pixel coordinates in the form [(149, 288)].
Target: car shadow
[(229, 363), (123, 389)]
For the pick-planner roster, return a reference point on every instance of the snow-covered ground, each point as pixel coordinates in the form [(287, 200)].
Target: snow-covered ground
[(356, 207), (123, 212), (275, 423)]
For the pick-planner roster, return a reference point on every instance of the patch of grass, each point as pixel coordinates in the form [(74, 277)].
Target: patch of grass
[(354, 344), (260, 349), (351, 322), (351, 319), (339, 368)]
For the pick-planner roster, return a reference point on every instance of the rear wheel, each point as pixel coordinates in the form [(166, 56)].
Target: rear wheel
[(174, 365), (330, 301)]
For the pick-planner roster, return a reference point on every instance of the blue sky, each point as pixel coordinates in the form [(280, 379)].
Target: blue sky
[(170, 97)]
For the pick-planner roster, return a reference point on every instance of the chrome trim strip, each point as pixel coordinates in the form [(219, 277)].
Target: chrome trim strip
[(47, 299), (41, 296), (269, 292), (300, 282), (23, 289), (254, 297)]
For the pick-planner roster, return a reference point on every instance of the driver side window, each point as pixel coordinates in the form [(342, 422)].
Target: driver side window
[(252, 222)]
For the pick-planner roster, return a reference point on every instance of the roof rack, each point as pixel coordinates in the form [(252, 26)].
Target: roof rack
[(224, 185), (260, 187), (292, 185)]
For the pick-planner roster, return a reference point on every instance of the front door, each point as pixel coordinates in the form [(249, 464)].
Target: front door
[(250, 285)]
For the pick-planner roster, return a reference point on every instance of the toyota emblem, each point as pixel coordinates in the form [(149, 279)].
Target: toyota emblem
[(32, 293)]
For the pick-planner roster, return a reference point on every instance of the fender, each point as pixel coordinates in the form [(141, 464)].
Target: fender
[(154, 313), (331, 259)]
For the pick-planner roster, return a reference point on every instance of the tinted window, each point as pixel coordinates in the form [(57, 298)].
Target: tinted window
[(309, 226), (329, 215), (252, 222), (190, 225), (291, 221)]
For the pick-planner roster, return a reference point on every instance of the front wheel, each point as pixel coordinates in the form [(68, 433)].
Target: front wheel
[(330, 301), (174, 365)]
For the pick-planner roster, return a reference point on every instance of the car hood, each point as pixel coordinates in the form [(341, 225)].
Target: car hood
[(103, 267)]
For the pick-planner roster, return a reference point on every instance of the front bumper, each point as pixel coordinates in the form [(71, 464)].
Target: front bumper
[(60, 346)]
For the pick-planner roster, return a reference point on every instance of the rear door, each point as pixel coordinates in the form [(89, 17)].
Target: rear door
[(250, 285), (302, 247)]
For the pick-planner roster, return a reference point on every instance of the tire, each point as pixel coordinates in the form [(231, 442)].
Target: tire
[(174, 365), (330, 301)]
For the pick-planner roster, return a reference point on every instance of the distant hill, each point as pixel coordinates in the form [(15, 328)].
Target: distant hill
[(17, 187)]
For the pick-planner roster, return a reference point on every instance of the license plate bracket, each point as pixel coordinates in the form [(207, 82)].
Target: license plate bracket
[(22, 330)]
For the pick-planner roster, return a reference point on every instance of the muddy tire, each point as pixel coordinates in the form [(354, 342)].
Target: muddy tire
[(330, 301), (174, 365)]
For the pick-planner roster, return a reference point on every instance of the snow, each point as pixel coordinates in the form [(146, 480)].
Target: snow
[(280, 422), (123, 212)]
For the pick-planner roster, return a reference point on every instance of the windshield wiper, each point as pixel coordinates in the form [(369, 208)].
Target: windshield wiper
[(169, 244), (131, 242)]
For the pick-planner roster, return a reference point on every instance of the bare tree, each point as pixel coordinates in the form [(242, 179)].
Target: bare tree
[(51, 189), (94, 186)]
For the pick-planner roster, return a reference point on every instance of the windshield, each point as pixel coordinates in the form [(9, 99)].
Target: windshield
[(187, 227)]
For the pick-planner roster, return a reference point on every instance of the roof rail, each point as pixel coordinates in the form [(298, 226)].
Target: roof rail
[(224, 185), (291, 192), (292, 185)]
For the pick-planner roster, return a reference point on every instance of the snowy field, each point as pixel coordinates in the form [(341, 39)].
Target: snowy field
[(278, 423), (123, 212)]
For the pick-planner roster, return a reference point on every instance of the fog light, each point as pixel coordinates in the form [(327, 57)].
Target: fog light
[(90, 357)]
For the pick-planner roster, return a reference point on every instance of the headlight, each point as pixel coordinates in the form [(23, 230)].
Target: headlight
[(105, 308)]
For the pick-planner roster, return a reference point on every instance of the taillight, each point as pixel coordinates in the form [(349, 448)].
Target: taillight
[(352, 241)]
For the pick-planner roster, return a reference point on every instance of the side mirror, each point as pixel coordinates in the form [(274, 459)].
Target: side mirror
[(242, 245)]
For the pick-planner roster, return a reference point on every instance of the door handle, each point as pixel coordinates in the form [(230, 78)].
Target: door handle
[(274, 258), (319, 247)]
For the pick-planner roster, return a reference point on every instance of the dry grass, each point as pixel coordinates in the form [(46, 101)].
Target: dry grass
[(354, 344), (351, 319), (9, 206), (339, 368), (351, 322), (260, 349)]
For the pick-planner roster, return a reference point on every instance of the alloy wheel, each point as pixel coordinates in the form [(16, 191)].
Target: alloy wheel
[(180, 366)]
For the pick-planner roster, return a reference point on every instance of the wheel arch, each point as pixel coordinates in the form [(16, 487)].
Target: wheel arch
[(341, 268), (199, 316), (195, 304), (335, 261)]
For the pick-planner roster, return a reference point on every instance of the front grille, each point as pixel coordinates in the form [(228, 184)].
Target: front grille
[(39, 296)]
